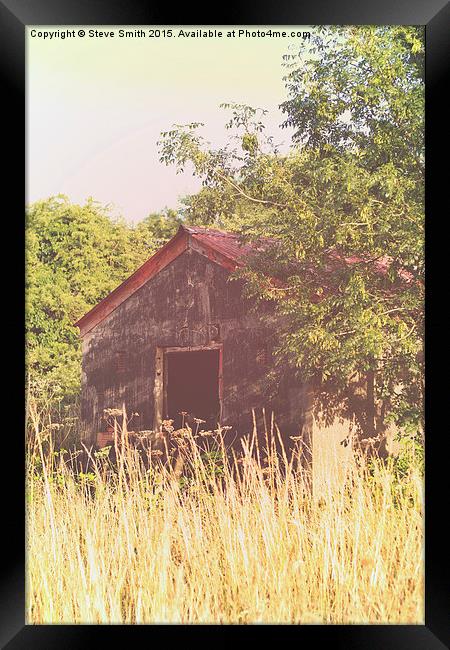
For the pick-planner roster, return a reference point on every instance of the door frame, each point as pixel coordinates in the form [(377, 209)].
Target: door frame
[(160, 384)]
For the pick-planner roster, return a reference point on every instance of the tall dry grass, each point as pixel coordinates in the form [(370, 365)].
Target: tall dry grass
[(226, 542)]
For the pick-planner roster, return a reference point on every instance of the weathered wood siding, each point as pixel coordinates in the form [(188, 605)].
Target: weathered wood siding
[(191, 302)]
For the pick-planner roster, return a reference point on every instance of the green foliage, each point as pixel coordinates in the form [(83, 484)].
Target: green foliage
[(103, 452), (411, 455), (75, 255), (404, 468), (352, 185), (156, 229), (213, 462), (359, 87), (88, 478)]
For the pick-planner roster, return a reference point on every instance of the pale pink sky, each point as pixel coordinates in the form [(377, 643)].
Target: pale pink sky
[(96, 107)]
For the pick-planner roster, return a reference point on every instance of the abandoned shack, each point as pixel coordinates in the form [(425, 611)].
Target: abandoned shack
[(178, 336)]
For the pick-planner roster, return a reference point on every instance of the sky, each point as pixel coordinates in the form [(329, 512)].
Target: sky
[(96, 107)]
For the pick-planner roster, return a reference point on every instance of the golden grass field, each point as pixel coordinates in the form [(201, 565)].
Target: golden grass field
[(232, 543)]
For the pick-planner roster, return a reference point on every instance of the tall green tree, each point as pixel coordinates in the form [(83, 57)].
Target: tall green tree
[(343, 212), (158, 227), (75, 255)]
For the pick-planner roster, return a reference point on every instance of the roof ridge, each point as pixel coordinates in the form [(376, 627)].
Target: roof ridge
[(213, 231)]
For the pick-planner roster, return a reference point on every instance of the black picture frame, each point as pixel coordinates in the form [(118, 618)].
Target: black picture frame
[(15, 15)]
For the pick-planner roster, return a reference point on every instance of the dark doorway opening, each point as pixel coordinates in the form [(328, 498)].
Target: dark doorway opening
[(192, 387)]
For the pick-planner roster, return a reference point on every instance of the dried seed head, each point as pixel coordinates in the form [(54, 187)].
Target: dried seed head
[(113, 412), (167, 425)]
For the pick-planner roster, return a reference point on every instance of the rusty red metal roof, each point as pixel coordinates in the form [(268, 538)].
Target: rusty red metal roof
[(221, 247), (225, 248), (227, 244), (380, 265)]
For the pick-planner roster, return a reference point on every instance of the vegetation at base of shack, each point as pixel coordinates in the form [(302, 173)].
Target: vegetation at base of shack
[(345, 213), (234, 539)]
